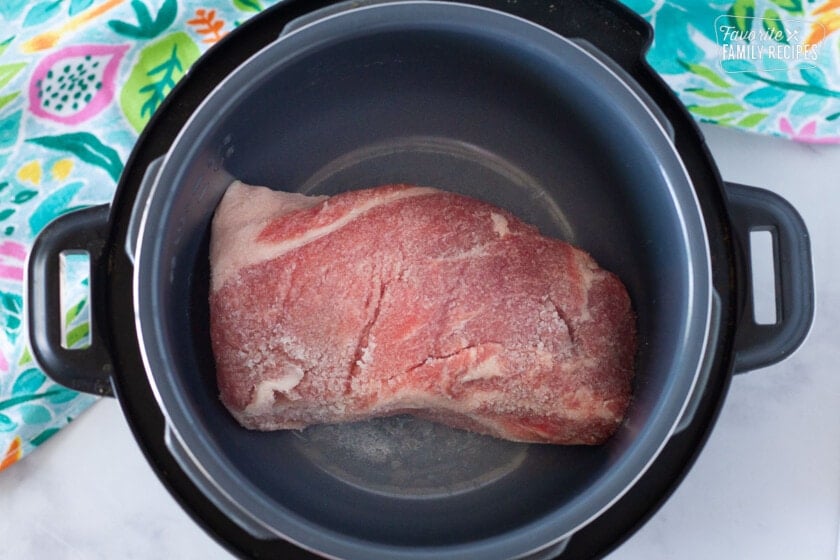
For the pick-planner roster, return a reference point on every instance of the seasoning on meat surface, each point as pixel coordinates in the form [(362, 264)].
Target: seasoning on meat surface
[(403, 299)]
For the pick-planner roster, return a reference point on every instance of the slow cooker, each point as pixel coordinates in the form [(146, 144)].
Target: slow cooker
[(546, 109)]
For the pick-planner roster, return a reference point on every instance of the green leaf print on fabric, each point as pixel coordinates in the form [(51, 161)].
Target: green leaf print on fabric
[(248, 5), (807, 105), (751, 120), (7, 74), (710, 94), (73, 312), (77, 326), (6, 99), (39, 13), (166, 72), (765, 97), (87, 148), (147, 27), (158, 68), (741, 16), (706, 73), (77, 335), (14, 401), (62, 396), (793, 86), (34, 414), (4, 44), (772, 23), (738, 70), (9, 129), (11, 9), (25, 358), (7, 424), (813, 76), (792, 6), (54, 205), (77, 6), (28, 381), (714, 110), (23, 196), (10, 317), (676, 29), (9, 71), (45, 435)]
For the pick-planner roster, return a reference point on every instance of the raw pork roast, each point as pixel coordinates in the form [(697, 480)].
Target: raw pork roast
[(403, 299)]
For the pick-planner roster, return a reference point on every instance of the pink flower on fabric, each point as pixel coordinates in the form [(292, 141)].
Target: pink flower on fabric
[(808, 133), (75, 83)]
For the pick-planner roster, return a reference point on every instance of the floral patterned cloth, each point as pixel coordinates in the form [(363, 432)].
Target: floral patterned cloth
[(768, 66), (79, 79)]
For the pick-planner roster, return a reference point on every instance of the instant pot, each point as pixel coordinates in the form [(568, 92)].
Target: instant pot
[(545, 108)]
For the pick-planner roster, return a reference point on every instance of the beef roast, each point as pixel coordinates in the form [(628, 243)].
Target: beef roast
[(402, 299)]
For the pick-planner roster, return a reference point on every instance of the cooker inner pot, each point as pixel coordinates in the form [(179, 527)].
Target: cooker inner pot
[(459, 107)]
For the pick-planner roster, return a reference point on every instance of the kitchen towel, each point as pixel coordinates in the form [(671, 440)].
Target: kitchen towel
[(79, 79), (767, 66)]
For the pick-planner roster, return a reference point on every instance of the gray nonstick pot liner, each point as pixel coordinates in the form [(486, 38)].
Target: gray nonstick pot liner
[(460, 98)]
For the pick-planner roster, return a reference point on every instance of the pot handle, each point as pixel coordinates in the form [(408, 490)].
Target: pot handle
[(760, 345), (88, 369)]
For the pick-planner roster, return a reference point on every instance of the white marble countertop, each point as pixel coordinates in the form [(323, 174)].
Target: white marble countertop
[(767, 484)]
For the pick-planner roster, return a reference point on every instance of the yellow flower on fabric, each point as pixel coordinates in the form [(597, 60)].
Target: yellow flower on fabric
[(31, 172), (62, 169)]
